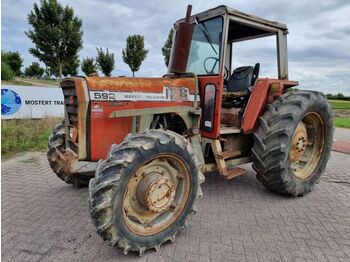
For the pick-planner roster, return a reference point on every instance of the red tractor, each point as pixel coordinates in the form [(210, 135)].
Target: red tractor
[(146, 142)]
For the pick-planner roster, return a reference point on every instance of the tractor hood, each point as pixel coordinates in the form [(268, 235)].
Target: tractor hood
[(141, 89), (100, 110), (169, 89)]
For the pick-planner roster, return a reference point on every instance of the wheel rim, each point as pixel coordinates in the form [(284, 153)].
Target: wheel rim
[(307, 145), (156, 195)]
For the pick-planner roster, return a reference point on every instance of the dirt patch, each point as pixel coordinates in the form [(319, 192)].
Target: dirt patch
[(342, 113)]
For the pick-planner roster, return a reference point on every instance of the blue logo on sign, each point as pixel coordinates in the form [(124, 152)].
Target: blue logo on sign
[(10, 102)]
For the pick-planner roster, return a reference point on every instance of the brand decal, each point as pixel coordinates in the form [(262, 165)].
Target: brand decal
[(10, 102), (96, 111), (173, 94)]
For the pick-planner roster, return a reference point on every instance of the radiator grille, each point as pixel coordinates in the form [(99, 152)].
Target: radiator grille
[(71, 108)]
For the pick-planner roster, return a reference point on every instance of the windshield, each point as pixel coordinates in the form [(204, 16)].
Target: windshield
[(205, 51)]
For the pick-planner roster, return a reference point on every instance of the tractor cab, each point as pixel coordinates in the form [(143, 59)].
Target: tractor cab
[(226, 92)]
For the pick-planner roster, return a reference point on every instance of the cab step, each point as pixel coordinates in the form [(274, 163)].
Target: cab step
[(234, 172), (220, 158), (225, 130)]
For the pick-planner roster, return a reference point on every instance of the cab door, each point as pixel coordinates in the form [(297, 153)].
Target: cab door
[(205, 56)]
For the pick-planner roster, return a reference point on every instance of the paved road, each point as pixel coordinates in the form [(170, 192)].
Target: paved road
[(342, 134), (44, 219), (341, 141)]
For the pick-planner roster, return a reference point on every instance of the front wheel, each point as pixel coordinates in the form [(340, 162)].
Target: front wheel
[(144, 191), (293, 142), (57, 140)]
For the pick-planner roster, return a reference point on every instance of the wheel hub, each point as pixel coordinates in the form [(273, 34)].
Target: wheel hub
[(156, 192), (307, 145), (299, 143)]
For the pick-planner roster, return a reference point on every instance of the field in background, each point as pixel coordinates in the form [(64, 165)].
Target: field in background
[(341, 109), (340, 104), (23, 81), (20, 135), (15, 82), (342, 122)]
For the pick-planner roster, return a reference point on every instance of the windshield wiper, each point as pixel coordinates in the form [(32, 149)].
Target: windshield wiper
[(205, 33)]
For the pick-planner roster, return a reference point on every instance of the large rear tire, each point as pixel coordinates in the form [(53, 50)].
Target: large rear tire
[(293, 142), (57, 140), (143, 192)]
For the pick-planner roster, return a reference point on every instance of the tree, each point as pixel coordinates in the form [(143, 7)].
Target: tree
[(48, 72), (34, 70), (88, 66), (70, 67), (340, 96), (166, 49), (105, 61), (56, 34), (135, 52), (6, 72), (14, 60)]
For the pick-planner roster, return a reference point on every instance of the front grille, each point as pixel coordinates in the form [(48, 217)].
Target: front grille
[(71, 108)]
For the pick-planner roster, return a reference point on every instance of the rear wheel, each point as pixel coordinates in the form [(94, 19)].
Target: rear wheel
[(293, 142), (57, 140), (144, 191)]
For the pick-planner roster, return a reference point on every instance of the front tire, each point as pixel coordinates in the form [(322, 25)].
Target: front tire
[(58, 140), (293, 142), (143, 192)]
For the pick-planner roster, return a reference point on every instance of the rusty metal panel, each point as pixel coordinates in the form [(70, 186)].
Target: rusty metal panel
[(112, 120), (129, 84), (83, 105), (259, 97), (182, 44), (235, 14), (76, 101)]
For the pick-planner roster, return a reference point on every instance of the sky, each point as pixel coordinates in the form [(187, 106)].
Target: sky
[(318, 43)]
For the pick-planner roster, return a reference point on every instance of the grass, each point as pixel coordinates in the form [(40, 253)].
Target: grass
[(20, 81), (341, 109), (47, 81), (21, 135), (340, 104), (16, 82), (342, 122)]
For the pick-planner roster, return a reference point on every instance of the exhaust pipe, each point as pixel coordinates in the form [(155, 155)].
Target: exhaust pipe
[(182, 44)]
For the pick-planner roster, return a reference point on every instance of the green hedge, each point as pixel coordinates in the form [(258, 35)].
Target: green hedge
[(6, 72)]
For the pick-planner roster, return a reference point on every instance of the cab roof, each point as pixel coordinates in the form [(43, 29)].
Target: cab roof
[(240, 17)]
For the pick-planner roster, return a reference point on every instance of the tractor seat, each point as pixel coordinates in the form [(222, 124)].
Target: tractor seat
[(239, 86), (242, 78)]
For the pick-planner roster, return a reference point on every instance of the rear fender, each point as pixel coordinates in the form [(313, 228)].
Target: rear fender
[(265, 91)]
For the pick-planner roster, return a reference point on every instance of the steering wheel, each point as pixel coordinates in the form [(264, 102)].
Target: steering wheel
[(216, 60), (227, 72)]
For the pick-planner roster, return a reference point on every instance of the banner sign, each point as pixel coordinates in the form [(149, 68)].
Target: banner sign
[(31, 102)]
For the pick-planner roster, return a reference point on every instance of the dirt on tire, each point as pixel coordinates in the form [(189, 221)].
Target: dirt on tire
[(272, 141), (58, 140), (106, 190)]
